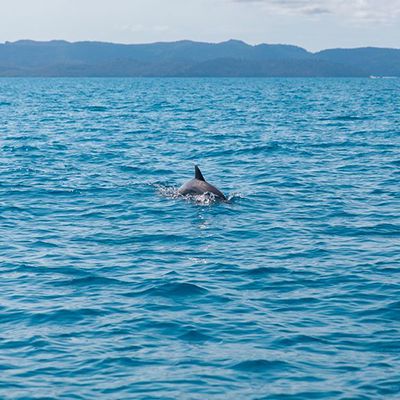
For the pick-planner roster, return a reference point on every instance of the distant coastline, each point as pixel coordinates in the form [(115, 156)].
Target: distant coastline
[(185, 58)]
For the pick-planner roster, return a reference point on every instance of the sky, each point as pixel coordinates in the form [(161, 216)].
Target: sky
[(312, 24)]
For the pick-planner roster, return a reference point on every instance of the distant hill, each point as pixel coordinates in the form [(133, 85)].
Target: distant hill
[(190, 59)]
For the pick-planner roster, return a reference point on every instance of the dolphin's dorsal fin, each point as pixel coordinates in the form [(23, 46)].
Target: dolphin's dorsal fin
[(197, 173)]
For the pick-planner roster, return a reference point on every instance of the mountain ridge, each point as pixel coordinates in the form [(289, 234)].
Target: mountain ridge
[(186, 58)]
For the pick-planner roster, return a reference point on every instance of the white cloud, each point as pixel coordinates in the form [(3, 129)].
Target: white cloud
[(360, 10)]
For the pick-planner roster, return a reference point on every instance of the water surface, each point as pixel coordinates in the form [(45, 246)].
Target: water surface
[(112, 288)]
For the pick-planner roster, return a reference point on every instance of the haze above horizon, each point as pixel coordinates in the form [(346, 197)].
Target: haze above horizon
[(311, 24)]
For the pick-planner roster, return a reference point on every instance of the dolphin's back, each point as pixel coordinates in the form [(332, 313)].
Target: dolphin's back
[(190, 188), (198, 185)]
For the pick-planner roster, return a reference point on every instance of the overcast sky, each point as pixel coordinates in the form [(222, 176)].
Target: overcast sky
[(313, 24)]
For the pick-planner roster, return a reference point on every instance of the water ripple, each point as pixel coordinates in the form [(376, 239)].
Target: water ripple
[(115, 287)]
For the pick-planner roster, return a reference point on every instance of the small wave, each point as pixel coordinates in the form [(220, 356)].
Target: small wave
[(97, 108), (383, 388), (389, 230), (64, 316), (130, 168), (265, 271), (322, 145), (176, 289), (195, 336), (297, 340), (251, 150), (122, 361), (44, 244), (34, 342), (388, 311), (23, 148), (235, 196), (90, 281), (347, 118), (167, 191), (261, 365), (204, 199)]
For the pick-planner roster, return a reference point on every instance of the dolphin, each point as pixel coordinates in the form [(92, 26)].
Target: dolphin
[(198, 185)]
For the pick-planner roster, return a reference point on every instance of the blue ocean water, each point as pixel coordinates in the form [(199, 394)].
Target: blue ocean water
[(113, 288)]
